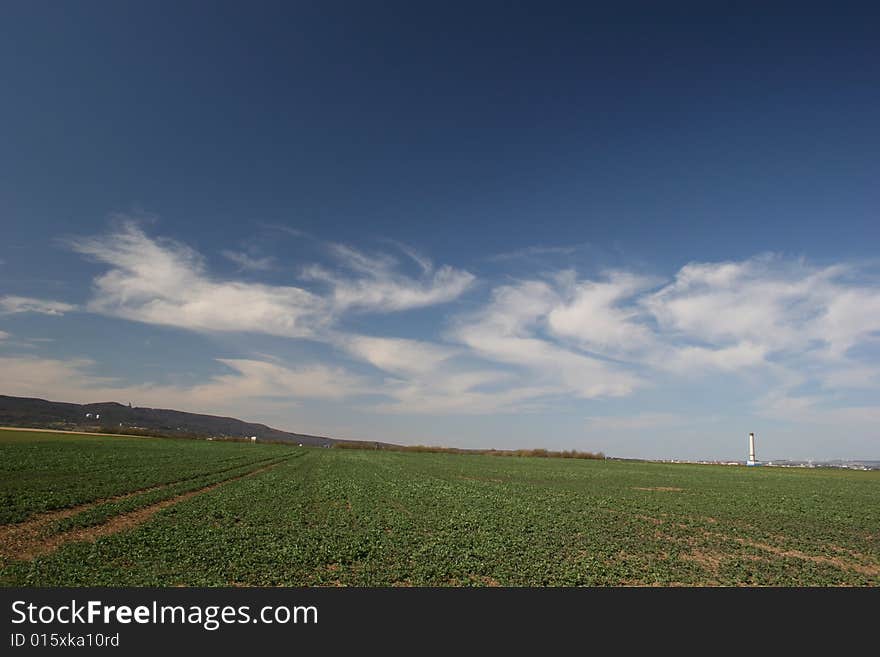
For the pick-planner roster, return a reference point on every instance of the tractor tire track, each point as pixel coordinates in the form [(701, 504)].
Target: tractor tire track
[(24, 542), (44, 519)]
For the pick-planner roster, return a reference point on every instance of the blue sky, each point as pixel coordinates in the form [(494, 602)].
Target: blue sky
[(646, 231)]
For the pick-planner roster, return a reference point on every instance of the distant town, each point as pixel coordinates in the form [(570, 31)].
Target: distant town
[(787, 463)]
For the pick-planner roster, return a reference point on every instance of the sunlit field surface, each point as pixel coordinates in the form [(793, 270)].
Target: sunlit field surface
[(111, 511)]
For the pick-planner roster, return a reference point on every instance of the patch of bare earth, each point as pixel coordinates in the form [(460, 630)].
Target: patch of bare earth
[(711, 561), (24, 541), (858, 556), (33, 528), (871, 570)]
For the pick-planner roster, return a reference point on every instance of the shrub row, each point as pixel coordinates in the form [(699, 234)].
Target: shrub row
[(540, 453)]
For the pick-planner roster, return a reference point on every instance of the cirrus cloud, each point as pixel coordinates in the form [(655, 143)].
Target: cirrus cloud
[(10, 305), (161, 281), (791, 326)]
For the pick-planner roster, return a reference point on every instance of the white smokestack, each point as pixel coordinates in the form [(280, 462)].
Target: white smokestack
[(752, 458)]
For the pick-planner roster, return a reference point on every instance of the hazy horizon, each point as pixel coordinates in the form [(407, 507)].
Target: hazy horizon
[(641, 233)]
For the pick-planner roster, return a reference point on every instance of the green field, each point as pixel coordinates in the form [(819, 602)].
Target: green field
[(89, 510)]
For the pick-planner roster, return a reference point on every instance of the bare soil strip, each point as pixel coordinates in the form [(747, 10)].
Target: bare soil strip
[(36, 523), (23, 542), (711, 559), (869, 570)]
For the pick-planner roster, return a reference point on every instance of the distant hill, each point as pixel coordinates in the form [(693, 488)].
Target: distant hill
[(111, 417)]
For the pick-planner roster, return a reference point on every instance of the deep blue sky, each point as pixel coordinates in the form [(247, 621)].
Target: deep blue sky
[(639, 138)]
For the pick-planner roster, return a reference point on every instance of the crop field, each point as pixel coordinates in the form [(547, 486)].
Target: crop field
[(106, 511)]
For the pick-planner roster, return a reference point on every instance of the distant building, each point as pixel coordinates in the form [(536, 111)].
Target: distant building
[(752, 459)]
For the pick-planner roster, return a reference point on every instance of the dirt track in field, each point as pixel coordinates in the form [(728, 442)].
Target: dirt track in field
[(712, 558), (26, 541)]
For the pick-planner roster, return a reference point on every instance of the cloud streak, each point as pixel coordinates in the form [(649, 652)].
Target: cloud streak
[(249, 262), (11, 305), (165, 282), (375, 285), (160, 281), (791, 329), (510, 331), (248, 380)]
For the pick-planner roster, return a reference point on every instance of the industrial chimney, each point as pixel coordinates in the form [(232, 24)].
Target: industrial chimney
[(752, 460)]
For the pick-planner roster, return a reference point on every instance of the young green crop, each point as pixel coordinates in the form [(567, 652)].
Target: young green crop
[(105, 511), (374, 518), (44, 471)]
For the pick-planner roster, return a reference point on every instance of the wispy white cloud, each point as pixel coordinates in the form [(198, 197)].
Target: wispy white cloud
[(260, 385), (248, 261), (287, 230), (510, 329), (469, 392), (816, 409), (594, 315), (781, 304), (160, 281), (247, 381), (264, 379), (164, 282), (10, 305), (377, 286), (763, 310), (47, 378), (4, 335), (781, 321), (397, 355), (699, 360), (423, 261)]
